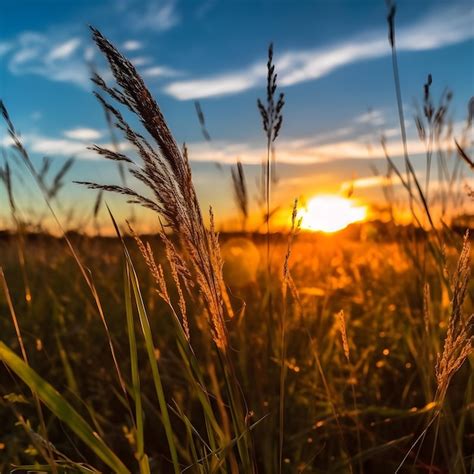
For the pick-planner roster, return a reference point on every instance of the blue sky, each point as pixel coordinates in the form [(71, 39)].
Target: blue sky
[(333, 60)]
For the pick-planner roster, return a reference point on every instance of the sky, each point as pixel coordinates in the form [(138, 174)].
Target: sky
[(333, 62)]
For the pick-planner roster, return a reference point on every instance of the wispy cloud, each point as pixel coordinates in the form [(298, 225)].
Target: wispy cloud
[(140, 61), (65, 147), (58, 146), (83, 134), (343, 144), (155, 16), (294, 152), (74, 142), (373, 117), (159, 71), (438, 29), (64, 50), (364, 183), (219, 85), (60, 60), (204, 8), (132, 45), (4, 48)]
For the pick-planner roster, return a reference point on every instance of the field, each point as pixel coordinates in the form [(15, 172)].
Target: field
[(363, 410), (190, 351)]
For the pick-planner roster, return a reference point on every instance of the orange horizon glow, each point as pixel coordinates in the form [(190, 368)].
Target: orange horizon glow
[(330, 213)]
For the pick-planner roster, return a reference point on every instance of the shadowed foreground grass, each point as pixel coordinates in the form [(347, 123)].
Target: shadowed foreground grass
[(391, 365)]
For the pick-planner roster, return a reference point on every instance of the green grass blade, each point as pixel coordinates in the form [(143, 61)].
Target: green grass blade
[(141, 456), (64, 469), (62, 409), (68, 372), (150, 348)]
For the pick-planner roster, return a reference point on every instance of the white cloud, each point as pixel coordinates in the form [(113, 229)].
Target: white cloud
[(73, 143), (339, 144), (296, 67), (306, 150), (6, 141), (37, 143), (438, 29), (63, 59), (89, 53), (364, 183), (86, 134), (4, 48), (58, 146), (159, 71), (373, 117), (28, 46), (157, 16), (288, 151), (224, 84), (64, 50), (140, 61), (132, 45), (35, 53)]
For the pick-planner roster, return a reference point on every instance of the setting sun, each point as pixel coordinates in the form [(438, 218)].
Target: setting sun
[(331, 213)]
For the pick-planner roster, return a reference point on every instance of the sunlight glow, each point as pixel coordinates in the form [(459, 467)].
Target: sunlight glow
[(331, 213)]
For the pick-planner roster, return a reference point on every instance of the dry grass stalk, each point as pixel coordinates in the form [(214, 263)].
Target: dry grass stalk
[(459, 337), (218, 263), (47, 454), (23, 153), (288, 282), (426, 307), (341, 322), (202, 120), (271, 113), (159, 276), (5, 176), (178, 271), (165, 171), (240, 191), (463, 154), (272, 119)]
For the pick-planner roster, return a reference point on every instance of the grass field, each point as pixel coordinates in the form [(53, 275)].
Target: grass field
[(327, 425), (189, 351)]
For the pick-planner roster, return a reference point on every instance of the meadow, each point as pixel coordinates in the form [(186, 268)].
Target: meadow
[(190, 351)]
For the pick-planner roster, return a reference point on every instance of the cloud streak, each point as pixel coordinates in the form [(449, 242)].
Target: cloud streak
[(132, 45), (83, 134), (345, 143), (4, 48), (65, 59), (156, 16), (297, 152), (439, 29), (60, 60)]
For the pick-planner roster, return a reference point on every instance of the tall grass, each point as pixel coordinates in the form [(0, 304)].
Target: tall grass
[(351, 370)]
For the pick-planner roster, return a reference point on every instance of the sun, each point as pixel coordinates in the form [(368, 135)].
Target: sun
[(328, 213)]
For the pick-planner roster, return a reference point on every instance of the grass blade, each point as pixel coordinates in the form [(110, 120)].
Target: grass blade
[(141, 456), (62, 409)]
